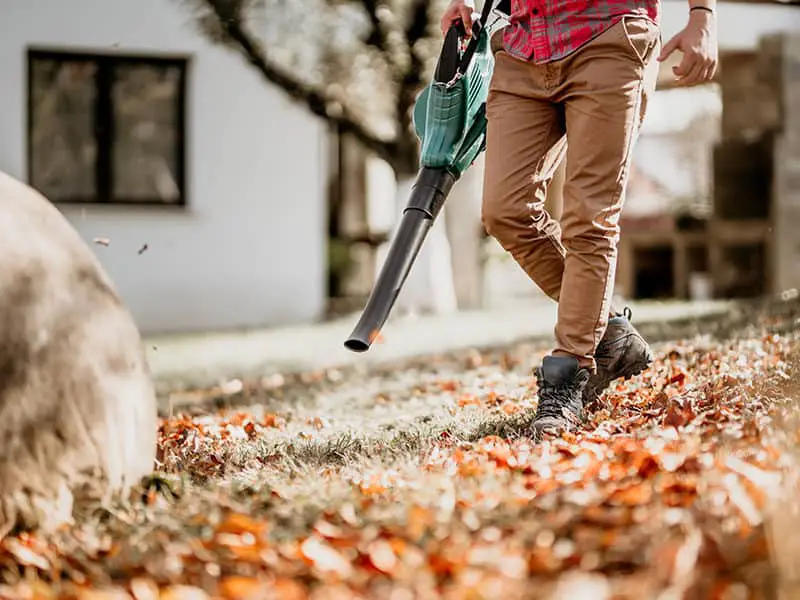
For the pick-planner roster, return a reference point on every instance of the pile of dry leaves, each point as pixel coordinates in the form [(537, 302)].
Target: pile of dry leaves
[(680, 486)]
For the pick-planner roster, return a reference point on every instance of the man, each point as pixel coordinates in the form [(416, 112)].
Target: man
[(572, 79)]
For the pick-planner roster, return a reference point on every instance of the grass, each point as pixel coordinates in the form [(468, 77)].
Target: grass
[(419, 480)]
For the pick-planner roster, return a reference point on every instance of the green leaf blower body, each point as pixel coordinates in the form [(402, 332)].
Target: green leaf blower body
[(450, 117), (450, 121)]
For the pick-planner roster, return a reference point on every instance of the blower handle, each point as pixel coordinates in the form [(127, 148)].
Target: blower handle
[(477, 27)]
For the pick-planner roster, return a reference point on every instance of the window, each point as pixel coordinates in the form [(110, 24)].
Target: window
[(106, 128)]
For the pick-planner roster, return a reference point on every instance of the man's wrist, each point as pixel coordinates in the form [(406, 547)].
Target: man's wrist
[(701, 14), (705, 7)]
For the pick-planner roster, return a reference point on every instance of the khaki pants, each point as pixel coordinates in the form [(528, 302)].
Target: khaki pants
[(588, 106)]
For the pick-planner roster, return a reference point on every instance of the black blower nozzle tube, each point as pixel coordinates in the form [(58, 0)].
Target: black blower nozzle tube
[(427, 197)]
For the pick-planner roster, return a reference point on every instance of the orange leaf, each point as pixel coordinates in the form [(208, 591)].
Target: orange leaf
[(238, 524), (419, 519), (326, 529), (442, 565), (469, 467), (242, 588), (324, 557), (645, 464), (288, 589), (502, 456), (468, 400), (25, 555), (448, 386), (144, 589), (382, 556), (109, 593), (541, 561), (270, 421), (632, 495), (509, 407), (183, 592)]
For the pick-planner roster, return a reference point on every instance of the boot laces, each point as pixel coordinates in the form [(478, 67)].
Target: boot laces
[(553, 399)]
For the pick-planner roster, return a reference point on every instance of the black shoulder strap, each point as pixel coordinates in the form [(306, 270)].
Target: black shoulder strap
[(487, 9), (503, 6)]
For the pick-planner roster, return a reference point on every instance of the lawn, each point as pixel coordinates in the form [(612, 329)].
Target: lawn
[(419, 481)]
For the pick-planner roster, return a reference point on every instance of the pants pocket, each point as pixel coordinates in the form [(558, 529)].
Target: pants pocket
[(496, 41), (642, 37)]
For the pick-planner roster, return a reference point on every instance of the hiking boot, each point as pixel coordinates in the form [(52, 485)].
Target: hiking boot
[(621, 353), (561, 381)]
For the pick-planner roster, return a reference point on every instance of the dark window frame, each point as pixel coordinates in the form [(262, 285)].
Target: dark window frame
[(104, 122)]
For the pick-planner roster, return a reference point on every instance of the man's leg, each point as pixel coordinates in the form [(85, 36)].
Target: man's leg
[(608, 83), (525, 142)]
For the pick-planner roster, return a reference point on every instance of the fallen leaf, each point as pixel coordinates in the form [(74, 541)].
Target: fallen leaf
[(144, 589), (104, 593), (634, 494), (26, 555), (242, 588), (183, 592), (324, 557), (382, 556)]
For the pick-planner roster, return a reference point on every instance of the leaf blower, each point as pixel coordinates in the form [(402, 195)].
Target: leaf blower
[(450, 121)]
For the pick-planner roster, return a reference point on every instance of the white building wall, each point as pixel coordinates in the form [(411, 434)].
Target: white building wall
[(250, 247)]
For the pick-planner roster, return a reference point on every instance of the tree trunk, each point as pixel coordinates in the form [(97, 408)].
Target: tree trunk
[(462, 214), (429, 287)]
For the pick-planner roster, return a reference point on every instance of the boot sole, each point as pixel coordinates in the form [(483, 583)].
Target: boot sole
[(638, 369)]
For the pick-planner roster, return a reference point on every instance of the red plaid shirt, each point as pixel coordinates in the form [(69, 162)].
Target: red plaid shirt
[(547, 30)]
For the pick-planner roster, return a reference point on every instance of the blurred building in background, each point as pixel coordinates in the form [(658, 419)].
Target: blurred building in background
[(209, 185), (219, 203), (710, 202)]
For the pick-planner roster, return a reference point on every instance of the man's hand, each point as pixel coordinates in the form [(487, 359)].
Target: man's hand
[(698, 43), (459, 10)]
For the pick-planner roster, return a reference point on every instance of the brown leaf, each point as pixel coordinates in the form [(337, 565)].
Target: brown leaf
[(634, 494), (678, 414), (542, 561)]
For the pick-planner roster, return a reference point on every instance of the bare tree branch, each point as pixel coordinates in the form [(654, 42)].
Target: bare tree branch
[(377, 36), (231, 21), (412, 79)]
